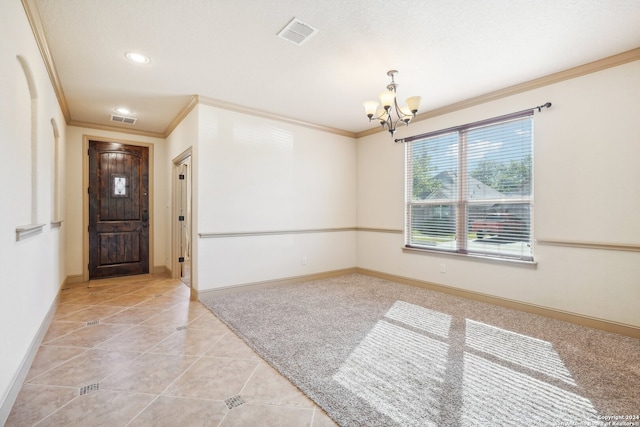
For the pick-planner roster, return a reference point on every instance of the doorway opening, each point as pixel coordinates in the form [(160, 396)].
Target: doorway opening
[(182, 218)]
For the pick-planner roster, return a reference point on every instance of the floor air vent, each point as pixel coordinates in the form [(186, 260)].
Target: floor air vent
[(181, 328), (234, 401), (89, 388), (93, 323), (123, 119)]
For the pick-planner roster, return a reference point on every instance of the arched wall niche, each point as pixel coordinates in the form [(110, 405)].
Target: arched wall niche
[(56, 218), (29, 108)]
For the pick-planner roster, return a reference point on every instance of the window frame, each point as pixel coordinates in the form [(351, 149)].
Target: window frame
[(462, 202)]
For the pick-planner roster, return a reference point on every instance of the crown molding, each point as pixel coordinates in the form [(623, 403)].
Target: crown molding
[(33, 16), (267, 115), (116, 129), (571, 73), (193, 102)]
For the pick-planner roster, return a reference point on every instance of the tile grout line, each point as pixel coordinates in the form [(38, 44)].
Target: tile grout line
[(84, 307), (64, 335), (130, 327), (112, 337), (60, 408), (29, 381), (134, 325), (175, 301), (250, 376), (90, 307), (179, 376), (129, 361), (214, 344), (142, 410)]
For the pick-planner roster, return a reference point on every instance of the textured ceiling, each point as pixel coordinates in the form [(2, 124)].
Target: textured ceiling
[(446, 51)]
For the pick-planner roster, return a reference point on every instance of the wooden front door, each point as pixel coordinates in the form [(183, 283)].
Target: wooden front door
[(118, 209)]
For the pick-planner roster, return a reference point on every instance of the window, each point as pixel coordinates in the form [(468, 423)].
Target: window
[(470, 188)]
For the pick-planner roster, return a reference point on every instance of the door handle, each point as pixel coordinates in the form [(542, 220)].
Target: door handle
[(145, 216)]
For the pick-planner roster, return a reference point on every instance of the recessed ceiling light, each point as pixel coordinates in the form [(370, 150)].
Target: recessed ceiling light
[(138, 58), (123, 110)]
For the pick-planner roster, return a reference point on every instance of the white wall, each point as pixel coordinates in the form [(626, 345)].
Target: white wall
[(75, 231), (263, 175), (586, 153), (185, 136), (32, 269)]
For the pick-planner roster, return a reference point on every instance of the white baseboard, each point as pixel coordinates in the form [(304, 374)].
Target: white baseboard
[(73, 278), (270, 283), (161, 269), (17, 381), (578, 319)]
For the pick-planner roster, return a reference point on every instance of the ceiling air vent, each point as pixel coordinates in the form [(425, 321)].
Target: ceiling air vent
[(297, 32), (123, 119)]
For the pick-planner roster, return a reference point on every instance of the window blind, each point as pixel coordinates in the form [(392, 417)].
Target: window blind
[(470, 188)]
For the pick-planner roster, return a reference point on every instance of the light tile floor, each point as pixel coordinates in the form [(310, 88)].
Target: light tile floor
[(135, 351)]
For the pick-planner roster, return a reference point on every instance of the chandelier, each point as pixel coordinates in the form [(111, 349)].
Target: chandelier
[(389, 105)]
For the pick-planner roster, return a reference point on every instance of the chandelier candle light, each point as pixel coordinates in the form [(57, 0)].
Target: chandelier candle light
[(388, 99)]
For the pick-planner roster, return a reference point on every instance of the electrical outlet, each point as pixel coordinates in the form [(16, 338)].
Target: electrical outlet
[(443, 268), (304, 260)]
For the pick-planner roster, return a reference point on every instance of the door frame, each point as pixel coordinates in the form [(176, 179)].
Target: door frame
[(175, 243), (85, 198)]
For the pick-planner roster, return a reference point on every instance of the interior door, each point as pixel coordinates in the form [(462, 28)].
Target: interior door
[(118, 209), (183, 200)]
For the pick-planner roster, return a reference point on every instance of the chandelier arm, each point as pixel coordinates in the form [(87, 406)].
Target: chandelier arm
[(399, 121), (388, 121), (399, 112), (380, 117)]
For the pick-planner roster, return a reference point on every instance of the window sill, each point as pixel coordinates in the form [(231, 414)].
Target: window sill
[(56, 223), (26, 231), (472, 257)]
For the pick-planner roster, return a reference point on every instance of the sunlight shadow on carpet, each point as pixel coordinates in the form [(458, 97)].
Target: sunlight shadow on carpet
[(397, 371), (420, 318), (376, 353), (400, 369), (492, 391), (528, 352)]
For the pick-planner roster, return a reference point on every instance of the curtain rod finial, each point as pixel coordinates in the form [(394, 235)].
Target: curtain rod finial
[(540, 107)]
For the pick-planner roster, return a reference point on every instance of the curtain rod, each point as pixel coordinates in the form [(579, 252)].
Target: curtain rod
[(517, 114)]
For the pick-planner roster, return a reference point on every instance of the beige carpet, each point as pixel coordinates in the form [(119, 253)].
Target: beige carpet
[(377, 353)]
